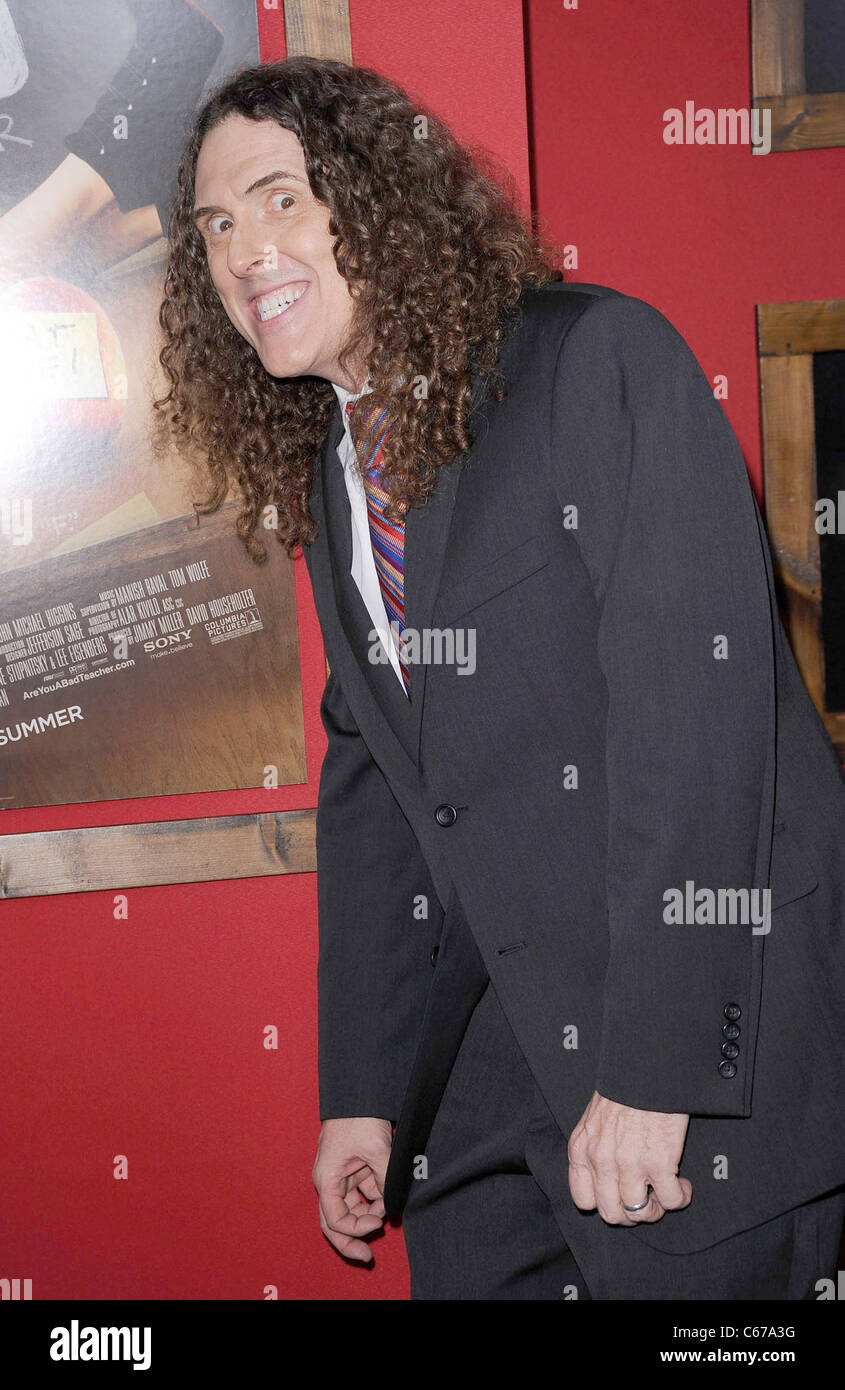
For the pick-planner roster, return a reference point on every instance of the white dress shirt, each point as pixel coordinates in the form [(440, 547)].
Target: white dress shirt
[(364, 570)]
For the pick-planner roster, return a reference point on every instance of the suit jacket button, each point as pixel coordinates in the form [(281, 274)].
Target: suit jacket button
[(730, 1050), (435, 952), (727, 1069), (732, 1012), (446, 815), (731, 1031)]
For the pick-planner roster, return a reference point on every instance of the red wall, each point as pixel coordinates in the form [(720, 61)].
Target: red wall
[(144, 1037), (703, 232)]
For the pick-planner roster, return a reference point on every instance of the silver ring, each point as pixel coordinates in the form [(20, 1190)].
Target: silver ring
[(639, 1205)]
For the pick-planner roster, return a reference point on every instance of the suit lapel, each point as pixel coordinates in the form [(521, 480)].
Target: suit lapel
[(427, 531), (426, 534)]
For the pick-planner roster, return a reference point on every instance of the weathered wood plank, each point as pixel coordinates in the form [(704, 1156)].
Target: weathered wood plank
[(94, 858), (790, 486), (807, 121), (804, 326), (789, 481), (318, 28), (777, 47)]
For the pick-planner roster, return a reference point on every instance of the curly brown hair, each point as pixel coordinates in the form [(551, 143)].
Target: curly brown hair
[(436, 256)]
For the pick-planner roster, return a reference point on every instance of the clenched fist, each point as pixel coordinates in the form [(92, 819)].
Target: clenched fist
[(615, 1153)]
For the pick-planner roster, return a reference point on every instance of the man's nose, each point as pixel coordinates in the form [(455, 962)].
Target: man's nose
[(248, 250)]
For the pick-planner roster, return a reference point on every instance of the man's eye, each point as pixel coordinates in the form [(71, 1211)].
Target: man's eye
[(217, 225), (279, 199)]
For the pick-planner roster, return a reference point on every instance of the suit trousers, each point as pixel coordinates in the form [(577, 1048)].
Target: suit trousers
[(490, 1216)]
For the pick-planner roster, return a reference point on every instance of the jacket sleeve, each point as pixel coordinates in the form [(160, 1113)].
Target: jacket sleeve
[(378, 919), (668, 529)]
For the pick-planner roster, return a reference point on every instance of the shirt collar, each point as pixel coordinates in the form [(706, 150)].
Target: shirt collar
[(344, 397)]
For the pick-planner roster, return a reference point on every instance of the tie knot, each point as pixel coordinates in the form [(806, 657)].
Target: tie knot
[(368, 415)]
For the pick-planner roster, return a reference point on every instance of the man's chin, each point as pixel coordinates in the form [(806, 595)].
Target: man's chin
[(282, 366), (287, 373)]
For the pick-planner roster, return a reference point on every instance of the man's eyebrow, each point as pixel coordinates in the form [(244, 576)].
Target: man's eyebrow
[(275, 177)]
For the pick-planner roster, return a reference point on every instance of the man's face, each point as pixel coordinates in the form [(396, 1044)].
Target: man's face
[(269, 249)]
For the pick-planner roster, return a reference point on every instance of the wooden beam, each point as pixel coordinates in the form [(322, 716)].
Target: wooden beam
[(318, 28), (777, 47), (95, 858), (790, 475), (807, 121), (813, 325), (788, 336)]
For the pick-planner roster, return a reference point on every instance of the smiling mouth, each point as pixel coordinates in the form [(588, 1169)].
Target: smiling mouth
[(270, 306)]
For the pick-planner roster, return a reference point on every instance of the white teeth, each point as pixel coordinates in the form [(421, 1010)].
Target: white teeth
[(269, 306)]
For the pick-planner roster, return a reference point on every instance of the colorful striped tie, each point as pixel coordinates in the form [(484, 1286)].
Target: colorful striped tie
[(388, 541)]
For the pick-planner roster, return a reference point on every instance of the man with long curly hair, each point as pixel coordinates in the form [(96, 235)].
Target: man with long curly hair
[(580, 829)]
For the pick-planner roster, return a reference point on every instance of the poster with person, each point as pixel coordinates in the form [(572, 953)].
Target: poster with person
[(142, 651)]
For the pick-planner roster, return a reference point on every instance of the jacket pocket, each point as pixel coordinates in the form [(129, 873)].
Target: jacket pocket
[(793, 873), (493, 578)]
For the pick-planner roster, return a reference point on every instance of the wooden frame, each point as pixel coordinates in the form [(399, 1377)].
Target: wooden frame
[(157, 852), (182, 851), (801, 120), (788, 335), (319, 28)]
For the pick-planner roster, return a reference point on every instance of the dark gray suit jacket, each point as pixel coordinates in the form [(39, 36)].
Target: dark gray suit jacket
[(602, 539)]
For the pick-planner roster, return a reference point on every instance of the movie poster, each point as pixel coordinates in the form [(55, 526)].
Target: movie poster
[(141, 651)]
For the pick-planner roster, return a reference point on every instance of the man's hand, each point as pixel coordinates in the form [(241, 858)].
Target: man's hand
[(348, 1174), (615, 1152)]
